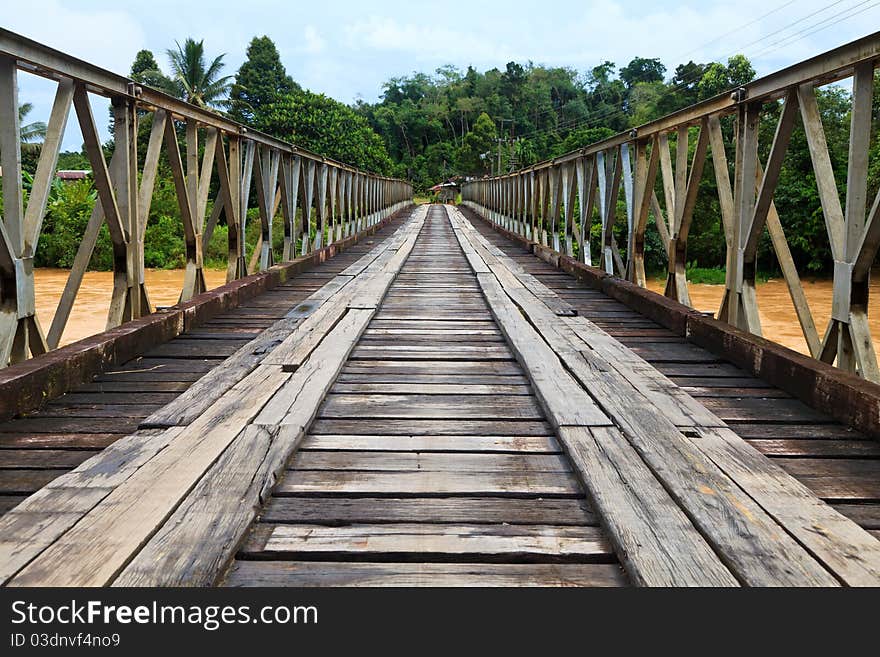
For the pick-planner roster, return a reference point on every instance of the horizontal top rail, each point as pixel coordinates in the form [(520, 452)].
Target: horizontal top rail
[(825, 68), (39, 59)]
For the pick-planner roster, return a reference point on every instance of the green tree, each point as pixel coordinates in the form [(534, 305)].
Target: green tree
[(194, 80), (476, 154), (719, 78), (326, 126), (145, 70), (642, 70), (259, 82), (32, 134)]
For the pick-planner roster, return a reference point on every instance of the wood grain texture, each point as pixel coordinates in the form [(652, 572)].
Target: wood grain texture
[(293, 573), (705, 492), (510, 541)]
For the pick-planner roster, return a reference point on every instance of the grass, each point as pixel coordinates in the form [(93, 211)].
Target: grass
[(706, 275), (715, 275)]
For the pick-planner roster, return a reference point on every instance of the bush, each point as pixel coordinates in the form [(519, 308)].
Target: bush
[(67, 215)]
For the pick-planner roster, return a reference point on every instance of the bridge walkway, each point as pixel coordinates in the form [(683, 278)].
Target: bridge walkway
[(431, 460), (437, 413), (839, 464), (37, 448)]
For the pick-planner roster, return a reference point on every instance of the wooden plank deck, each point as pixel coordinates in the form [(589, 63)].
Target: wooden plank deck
[(436, 408), (831, 459), (431, 461), (39, 447)]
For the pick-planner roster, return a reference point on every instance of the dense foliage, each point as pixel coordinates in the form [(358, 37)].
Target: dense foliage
[(429, 127), (458, 122), (471, 123)]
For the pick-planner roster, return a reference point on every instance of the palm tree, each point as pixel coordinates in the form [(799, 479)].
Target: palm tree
[(31, 133), (192, 80)]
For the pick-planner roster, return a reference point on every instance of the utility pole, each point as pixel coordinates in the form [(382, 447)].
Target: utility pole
[(501, 139)]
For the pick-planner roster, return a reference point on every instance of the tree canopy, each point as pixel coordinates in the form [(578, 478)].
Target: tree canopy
[(193, 79), (261, 81), (430, 122), (427, 127)]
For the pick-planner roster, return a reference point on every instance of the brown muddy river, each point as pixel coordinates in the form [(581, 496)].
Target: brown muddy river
[(778, 319), (89, 314)]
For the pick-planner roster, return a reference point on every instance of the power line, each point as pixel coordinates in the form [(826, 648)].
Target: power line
[(688, 80), (804, 32), (721, 36), (591, 120), (736, 29)]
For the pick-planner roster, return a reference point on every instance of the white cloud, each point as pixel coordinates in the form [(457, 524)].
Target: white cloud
[(351, 47), (106, 37), (424, 41), (313, 43)]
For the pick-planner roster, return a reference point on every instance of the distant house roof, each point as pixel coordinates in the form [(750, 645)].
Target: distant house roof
[(444, 185), (66, 174), (72, 174)]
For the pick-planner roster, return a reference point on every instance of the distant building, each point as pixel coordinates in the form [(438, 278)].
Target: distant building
[(447, 191), (67, 174), (73, 174)]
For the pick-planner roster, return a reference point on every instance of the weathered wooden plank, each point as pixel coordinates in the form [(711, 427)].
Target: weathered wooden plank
[(183, 347), (431, 388), (433, 443), (509, 541), (802, 431), (201, 535), (430, 462), (733, 524), (429, 406), (570, 405), (298, 573), (845, 548), (867, 515), (8, 502), (197, 540), (428, 379), (18, 481), (430, 366), (59, 440), (43, 458), (192, 403), (817, 448), (76, 493), (298, 482), (103, 541), (678, 406), (453, 510), (654, 539), (443, 427), (764, 410)]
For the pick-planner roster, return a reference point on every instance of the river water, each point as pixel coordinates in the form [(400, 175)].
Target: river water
[(89, 314), (778, 320)]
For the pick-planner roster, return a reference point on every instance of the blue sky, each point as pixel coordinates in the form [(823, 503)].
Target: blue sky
[(347, 49)]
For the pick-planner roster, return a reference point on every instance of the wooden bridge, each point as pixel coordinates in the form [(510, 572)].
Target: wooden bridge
[(438, 395)]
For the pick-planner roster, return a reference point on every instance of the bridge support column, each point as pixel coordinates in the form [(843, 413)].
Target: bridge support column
[(130, 300), (686, 185), (20, 332), (290, 173), (267, 166), (587, 181), (643, 191)]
